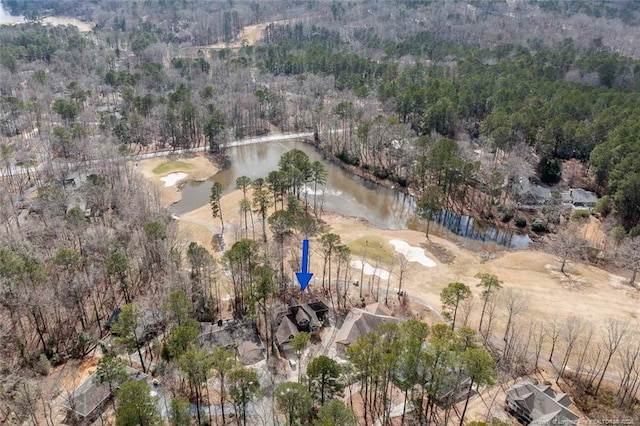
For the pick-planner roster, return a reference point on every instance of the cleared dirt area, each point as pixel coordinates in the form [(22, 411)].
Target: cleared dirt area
[(61, 20), (248, 36), (54, 20), (594, 234)]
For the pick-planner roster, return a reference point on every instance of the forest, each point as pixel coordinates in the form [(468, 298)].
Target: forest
[(454, 103)]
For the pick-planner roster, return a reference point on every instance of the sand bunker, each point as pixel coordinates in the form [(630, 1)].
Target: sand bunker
[(172, 178), (413, 254), (370, 270)]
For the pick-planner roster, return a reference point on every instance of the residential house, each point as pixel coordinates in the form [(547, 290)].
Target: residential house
[(531, 194), (307, 317), (241, 338), (286, 332), (360, 322), (89, 399), (578, 198), (534, 404)]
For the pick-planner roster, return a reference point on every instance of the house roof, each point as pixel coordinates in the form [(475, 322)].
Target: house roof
[(378, 309), (286, 329), (311, 314), (543, 405), (318, 306), (89, 395), (240, 337), (531, 193), (579, 195), (301, 315), (359, 323)]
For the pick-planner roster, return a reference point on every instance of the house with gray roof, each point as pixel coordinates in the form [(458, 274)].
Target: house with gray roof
[(358, 323), (534, 404), (531, 194), (241, 338), (89, 399), (578, 198), (286, 332), (308, 317)]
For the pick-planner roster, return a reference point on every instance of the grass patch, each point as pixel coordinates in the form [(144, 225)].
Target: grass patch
[(373, 248), (172, 166)]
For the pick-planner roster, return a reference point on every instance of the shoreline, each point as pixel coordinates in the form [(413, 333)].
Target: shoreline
[(495, 245), (368, 176)]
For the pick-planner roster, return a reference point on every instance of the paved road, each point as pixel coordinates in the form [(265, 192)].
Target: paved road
[(210, 227)]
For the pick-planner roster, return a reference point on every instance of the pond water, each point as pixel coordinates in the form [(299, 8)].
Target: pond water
[(343, 194)]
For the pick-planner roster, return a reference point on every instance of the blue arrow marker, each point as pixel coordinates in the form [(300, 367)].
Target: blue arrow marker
[(304, 276)]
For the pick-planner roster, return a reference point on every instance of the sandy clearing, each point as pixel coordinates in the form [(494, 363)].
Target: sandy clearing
[(248, 36), (199, 167), (53, 20), (370, 270), (413, 254), (593, 232), (62, 20), (172, 178)]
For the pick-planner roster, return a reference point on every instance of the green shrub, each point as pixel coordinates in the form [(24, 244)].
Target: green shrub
[(579, 215), (42, 366), (507, 216), (521, 222), (345, 157), (549, 170), (538, 225), (619, 233), (603, 206)]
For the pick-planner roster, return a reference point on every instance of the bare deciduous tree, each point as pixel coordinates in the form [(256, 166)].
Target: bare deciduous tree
[(628, 256), (552, 330), (493, 301), (629, 359), (566, 244), (614, 332), (403, 267), (515, 304), (539, 335), (466, 307), (570, 332), (587, 335)]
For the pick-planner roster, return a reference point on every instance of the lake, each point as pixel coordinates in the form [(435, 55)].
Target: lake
[(344, 194)]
